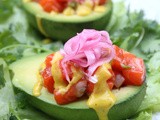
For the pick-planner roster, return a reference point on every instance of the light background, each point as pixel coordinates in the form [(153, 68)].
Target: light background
[(151, 7)]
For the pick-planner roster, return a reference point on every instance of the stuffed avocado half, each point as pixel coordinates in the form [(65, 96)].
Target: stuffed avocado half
[(90, 78), (62, 27), (25, 76)]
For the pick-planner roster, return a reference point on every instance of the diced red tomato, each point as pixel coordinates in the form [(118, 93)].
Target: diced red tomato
[(55, 5), (72, 94), (132, 68), (110, 83), (59, 97), (122, 59), (90, 87), (102, 2), (135, 75), (117, 61), (46, 74), (49, 59), (48, 79), (63, 1)]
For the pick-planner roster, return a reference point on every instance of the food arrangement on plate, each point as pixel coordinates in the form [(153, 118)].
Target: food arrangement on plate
[(62, 19), (77, 60), (89, 76)]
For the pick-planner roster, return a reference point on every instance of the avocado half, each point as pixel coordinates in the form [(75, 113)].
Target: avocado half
[(61, 27), (25, 76)]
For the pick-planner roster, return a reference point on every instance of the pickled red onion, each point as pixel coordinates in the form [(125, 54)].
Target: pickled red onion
[(88, 49)]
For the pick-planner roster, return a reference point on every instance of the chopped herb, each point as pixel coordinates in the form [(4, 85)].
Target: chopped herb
[(125, 66)]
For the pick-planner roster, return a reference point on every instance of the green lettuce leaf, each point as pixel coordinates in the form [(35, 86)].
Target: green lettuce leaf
[(154, 63), (152, 97), (6, 93), (144, 115)]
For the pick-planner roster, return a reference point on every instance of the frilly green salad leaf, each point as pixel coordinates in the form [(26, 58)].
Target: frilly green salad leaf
[(6, 92), (154, 63), (128, 30), (144, 115)]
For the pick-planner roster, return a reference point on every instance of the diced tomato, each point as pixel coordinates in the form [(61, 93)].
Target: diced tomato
[(48, 60), (63, 1), (48, 79), (90, 87), (122, 59), (135, 75), (102, 2), (46, 4), (110, 83), (59, 97), (55, 5), (72, 94), (132, 68), (47, 75), (117, 61)]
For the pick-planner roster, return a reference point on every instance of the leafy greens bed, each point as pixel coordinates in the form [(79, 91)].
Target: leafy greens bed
[(18, 39)]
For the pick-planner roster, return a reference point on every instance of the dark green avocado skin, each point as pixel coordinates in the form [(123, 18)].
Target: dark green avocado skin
[(120, 111), (62, 113), (65, 30)]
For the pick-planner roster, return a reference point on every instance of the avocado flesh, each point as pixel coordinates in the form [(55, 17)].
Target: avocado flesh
[(63, 27), (25, 76)]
